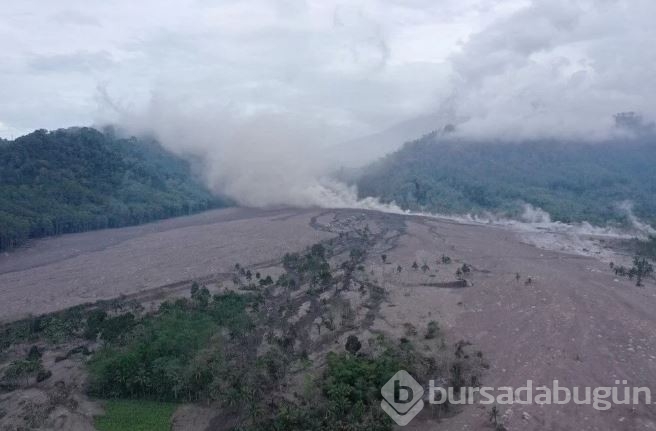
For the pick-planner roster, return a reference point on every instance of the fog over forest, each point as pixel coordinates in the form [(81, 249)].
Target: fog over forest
[(274, 95)]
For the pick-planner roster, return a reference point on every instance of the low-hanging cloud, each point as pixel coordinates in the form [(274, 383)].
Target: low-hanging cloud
[(557, 69), (263, 92)]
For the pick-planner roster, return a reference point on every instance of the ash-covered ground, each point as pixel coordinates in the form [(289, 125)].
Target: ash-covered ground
[(575, 322)]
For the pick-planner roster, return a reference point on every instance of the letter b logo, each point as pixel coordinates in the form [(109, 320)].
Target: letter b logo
[(402, 394), (402, 398)]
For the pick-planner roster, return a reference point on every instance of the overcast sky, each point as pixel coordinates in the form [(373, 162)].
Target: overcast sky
[(346, 68)]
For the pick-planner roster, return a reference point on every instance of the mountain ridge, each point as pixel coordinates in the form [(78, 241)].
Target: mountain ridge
[(573, 182), (81, 178)]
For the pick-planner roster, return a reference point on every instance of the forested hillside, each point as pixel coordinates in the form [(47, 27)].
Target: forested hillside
[(572, 181), (78, 179)]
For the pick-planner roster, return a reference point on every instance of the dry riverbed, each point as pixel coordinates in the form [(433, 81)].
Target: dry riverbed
[(575, 322)]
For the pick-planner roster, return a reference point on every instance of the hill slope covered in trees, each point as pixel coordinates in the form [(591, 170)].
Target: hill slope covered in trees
[(72, 180), (573, 182)]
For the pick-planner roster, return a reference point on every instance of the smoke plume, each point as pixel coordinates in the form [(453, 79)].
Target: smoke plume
[(268, 104)]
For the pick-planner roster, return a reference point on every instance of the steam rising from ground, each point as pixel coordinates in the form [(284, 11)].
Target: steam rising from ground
[(536, 227), (535, 219)]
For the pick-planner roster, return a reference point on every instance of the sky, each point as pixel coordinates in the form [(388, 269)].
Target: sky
[(336, 70)]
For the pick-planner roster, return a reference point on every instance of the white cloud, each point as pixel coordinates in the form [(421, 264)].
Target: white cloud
[(356, 66), (558, 68), (513, 66)]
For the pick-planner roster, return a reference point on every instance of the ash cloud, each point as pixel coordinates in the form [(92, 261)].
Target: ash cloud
[(266, 93), (259, 159)]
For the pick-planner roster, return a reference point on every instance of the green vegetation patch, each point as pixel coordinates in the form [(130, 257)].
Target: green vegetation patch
[(173, 354), (348, 397), (133, 415), (108, 320), (573, 182), (21, 370), (79, 179)]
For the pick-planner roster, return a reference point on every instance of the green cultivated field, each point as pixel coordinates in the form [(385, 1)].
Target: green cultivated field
[(135, 415)]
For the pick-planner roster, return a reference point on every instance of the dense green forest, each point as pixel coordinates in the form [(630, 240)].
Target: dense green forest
[(573, 182), (78, 179)]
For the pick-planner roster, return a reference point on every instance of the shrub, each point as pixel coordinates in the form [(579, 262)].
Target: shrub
[(353, 345), (432, 330)]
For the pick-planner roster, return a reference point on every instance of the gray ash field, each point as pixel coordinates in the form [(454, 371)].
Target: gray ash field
[(574, 322)]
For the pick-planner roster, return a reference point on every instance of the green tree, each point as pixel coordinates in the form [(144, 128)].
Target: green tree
[(641, 269), (73, 180), (353, 345)]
